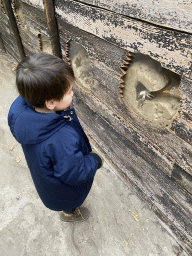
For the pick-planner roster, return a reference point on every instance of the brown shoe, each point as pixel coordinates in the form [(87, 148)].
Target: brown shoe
[(80, 214)]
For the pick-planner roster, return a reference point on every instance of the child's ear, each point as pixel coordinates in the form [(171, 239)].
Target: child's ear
[(50, 104)]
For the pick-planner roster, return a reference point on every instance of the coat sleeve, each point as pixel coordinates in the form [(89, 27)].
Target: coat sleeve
[(70, 164)]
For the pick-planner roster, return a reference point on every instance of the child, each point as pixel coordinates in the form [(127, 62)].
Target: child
[(56, 148)]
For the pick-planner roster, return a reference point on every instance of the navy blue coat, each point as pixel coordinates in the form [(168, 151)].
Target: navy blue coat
[(57, 153)]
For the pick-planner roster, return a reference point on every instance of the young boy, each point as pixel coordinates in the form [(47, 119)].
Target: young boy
[(56, 148)]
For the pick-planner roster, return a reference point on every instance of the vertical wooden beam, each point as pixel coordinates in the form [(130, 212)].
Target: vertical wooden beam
[(13, 23), (52, 26)]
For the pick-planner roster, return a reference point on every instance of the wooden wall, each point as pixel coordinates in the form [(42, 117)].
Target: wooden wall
[(156, 161), (172, 14), (32, 26)]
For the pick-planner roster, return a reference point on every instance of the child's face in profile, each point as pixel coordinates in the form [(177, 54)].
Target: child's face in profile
[(65, 102)]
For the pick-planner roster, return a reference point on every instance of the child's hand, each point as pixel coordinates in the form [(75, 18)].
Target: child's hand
[(98, 158)]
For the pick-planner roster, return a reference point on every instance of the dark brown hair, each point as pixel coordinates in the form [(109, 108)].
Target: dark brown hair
[(42, 77)]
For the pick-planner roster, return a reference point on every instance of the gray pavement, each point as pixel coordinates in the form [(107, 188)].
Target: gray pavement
[(120, 223)]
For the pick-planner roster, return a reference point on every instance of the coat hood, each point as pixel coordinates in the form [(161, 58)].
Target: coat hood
[(31, 127)]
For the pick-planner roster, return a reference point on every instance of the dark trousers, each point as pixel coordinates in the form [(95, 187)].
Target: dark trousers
[(69, 210)]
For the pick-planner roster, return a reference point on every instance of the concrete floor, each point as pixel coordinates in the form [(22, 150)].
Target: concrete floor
[(120, 223)]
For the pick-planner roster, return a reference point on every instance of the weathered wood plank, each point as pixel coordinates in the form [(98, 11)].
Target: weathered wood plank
[(173, 13), (171, 48), (182, 129), (190, 75), (186, 107), (32, 22), (12, 21), (186, 103), (52, 27), (186, 87), (97, 48), (137, 174), (8, 36), (182, 178)]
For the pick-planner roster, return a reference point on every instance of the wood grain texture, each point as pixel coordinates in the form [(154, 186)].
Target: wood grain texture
[(32, 23), (171, 48), (186, 88), (7, 5), (182, 129), (182, 178), (8, 36), (186, 103), (175, 14), (52, 27), (104, 53), (186, 106)]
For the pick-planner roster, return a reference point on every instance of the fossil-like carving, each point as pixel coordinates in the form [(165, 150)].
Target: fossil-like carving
[(151, 90), (79, 59)]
